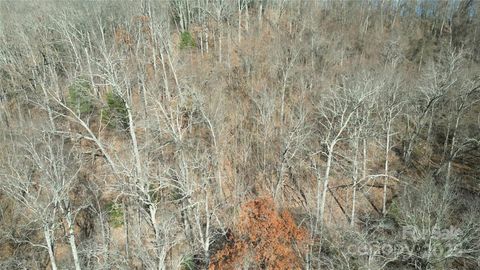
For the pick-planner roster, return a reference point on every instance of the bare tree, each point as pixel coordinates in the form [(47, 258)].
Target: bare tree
[(391, 107), (439, 77), (43, 185), (334, 115)]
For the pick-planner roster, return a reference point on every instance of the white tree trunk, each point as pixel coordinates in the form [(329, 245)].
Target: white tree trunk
[(71, 240), (153, 219), (239, 21), (324, 192), (355, 181), (385, 181), (48, 239), (260, 10), (452, 149), (206, 243)]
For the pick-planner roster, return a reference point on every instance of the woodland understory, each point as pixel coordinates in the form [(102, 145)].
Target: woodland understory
[(240, 134)]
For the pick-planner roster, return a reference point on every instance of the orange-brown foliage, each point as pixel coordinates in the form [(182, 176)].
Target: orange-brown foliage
[(267, 239), (123, 37)]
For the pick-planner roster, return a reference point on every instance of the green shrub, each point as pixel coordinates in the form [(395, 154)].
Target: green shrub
[(79, 97), (115, 114), (188, 263), (394, 211), (186, 40), (176, 194), (115, 214)]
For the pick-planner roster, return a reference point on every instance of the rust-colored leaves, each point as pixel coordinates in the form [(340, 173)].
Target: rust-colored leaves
[(266, 239)]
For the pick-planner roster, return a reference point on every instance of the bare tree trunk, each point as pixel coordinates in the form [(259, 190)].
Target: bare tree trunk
[(239, 21), (451, 155), (246, 17), (324, 193), (229, 48), (181, 19), (165, 77), (445, 143), (385, 181), (430, 124), (49, 240), (260, 10), (153, 220), (206, 40), (220, 45), (91, 74), (365, 159), (394, 16), (204, 233), (71, 240), (217, 158), (133, 136), (381, 15), (201, 43), (355, 181), (127, 236)]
